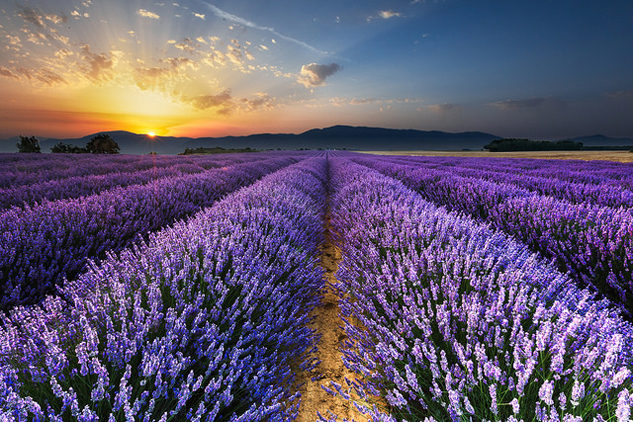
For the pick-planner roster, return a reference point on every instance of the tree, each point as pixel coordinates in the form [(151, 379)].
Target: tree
[(103, 144), (28, 144), (68, 149), (515, 144)]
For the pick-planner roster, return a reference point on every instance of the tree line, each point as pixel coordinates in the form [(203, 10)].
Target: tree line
[(521, 144), (99, 144)]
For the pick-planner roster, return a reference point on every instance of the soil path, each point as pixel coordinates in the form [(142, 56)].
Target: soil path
[(328, 324)]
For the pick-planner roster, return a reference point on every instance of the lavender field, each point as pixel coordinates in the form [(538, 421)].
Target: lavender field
[(155, 288)]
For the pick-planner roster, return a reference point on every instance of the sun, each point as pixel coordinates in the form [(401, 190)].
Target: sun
[(151, 134)]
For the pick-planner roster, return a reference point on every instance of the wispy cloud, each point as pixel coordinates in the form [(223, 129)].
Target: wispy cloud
[(148, 78), (57, 19), (42, 75), (388, 14), (224, 103), (186, 44), (443, 108), (199, 15), (315, 74), (43, 30), (530, 103), (32, 16), (147, 14), (385, 14), (343, 101), (100, 66), (628, 95), (7, 73), (239, 20), (77, 14)]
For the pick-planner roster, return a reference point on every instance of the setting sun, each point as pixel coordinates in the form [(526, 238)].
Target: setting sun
[(151, 134)]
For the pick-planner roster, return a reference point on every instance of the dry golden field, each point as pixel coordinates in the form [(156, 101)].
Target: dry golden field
[(622, 156)]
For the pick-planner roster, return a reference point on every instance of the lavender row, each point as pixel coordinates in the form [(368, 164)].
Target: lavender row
[(22, 169), (76, 186), (610, 193), (449, 319), (592, 172), (594, 244), (205, 322), (26, 169), (42, 245)]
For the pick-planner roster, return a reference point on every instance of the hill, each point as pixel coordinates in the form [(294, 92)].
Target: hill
[(335, 137), (601, 141)]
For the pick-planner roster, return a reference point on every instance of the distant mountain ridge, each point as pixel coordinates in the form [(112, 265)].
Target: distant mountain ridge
[(601, 140), (334, 137)]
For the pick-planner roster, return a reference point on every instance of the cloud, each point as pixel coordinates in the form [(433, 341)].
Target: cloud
[(385, 14), (627, 95), (388, 14), (63, 53), (261, 101), (236, 19), (164, 78), (36, 38), (33, 16), (30, 15), (100, 66), (315, 74), (181, 63), (186, 45), (531, 103), (152, 77), (7, 73), (237, 53), (361, 101), (37, 19), (147, 14), (223, 102), (443, 108), (199, 15), (46, 76), (57, 19)]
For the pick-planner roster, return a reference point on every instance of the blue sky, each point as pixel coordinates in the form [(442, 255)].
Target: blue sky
[(538, 69)]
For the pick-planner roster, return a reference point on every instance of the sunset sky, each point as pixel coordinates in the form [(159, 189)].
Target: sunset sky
[(538, 69)]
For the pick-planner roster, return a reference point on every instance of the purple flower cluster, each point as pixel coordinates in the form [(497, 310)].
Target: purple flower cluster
[(452, 320), (50, 186), (593, 243), (203, 322), (27, 169), (573, 181), (43, 244)]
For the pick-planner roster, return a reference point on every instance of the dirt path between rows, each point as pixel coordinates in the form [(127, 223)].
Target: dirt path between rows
[(328, 324)]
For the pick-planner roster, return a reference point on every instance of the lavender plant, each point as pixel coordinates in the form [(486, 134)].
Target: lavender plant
[(29, 169), (42, 245), (593, 243), (204, 322), (452, 320)]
